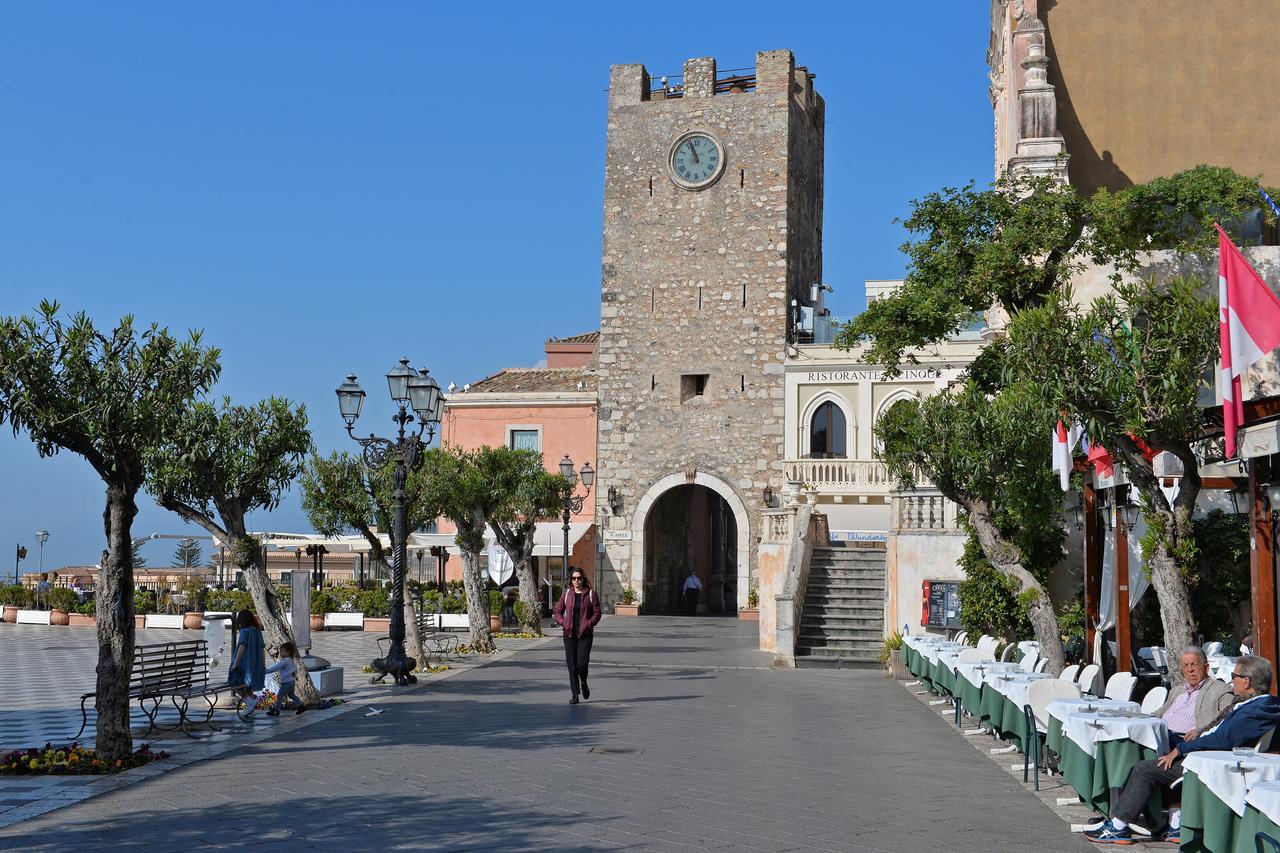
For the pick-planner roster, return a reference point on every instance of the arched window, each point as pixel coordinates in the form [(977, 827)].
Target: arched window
[(827, 433)]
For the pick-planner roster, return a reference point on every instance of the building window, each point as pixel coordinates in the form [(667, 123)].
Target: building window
[(692, 385), (827, 433), (524, 439)]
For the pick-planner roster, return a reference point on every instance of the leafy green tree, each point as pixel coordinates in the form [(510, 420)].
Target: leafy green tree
[(988, 598), (1014, 249), (340, 495), (532, 493), (109, 397), (224, 462), (463, 487), (138, 560), (1130, 367), (188, 555), (984, 452)]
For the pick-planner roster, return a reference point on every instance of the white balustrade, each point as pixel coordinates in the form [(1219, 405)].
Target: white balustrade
[(845, 476)]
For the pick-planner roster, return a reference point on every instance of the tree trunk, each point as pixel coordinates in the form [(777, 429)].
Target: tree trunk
[(271, 614), (116, 633), (412, 636), (477, 602), (1004, 557), (532, 619)]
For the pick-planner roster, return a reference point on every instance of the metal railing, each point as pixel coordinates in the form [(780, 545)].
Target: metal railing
[(846, 476)]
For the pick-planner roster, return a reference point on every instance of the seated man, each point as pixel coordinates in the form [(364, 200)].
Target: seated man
[(1254, 713), (1199, 702)]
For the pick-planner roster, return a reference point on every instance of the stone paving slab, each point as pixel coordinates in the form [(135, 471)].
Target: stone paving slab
[(690, 741)]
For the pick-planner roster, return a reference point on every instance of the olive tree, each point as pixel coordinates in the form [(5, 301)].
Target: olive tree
[(532, 493), (219, 465), (108, 396)]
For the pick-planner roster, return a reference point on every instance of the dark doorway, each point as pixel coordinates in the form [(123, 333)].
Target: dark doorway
[(827, 433), (691, 527)]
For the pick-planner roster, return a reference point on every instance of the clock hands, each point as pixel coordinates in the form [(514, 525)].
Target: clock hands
[(693, 151)]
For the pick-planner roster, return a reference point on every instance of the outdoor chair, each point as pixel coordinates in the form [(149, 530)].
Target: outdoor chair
[(1042, 665), (1070, 673), (1008, 653), (1154, 699), (1263, 843), (1160, 658), (1088, 680), (970, 655), (1120, 686), (987, 644), (1036, 713), (1212, 648), (1028, 663), (962, 637)]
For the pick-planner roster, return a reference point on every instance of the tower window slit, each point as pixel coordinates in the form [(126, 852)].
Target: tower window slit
[(742, 178), (651, 188)]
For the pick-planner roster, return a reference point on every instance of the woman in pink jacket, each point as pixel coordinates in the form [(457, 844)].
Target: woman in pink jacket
[(577, 613)]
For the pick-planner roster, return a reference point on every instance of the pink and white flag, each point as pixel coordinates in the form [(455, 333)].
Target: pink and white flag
[(1248, 326)]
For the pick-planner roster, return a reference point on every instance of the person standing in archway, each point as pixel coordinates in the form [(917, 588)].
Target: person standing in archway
[(577, 613), (692, 589)]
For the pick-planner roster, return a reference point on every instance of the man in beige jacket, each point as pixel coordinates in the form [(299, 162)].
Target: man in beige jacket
[(1198, 702)]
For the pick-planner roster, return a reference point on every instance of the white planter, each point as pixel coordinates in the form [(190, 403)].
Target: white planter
[(163, 620), (328, 681), (344, 620), (34, 617)]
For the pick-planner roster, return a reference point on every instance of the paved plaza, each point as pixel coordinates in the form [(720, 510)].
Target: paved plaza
[(689, 740)]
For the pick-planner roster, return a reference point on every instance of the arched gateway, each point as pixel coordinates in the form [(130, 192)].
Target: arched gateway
[(682, 522)]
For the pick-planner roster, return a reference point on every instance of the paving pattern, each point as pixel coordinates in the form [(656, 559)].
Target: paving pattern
[(689, 741)]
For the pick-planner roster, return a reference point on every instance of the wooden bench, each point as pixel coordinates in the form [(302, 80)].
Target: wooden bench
[(179, 671)]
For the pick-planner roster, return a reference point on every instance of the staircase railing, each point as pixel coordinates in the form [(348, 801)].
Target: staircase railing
[(808, 528)]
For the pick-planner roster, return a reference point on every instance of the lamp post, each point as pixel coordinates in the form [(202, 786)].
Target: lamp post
[(316, 552), (42, 536), (572, 504), (414, 393), (19, 555)]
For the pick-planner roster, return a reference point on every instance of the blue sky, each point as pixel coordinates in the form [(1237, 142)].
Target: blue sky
[(323, 187)]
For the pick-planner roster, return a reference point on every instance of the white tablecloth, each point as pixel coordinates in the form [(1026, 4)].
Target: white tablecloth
[(916, 641), (1027, 646), (1016, 691), (1221, 772), (1087, 729), (1060, 708), (1001, 682), (1265, 797), (930, 653), (949, 657), (976, 671)]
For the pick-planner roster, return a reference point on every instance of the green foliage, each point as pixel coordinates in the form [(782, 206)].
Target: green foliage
[(341, 495), (139, 561), (324, 601), (86, 608), (372, 602), (1221, 578), (1072, 620), (188, 555), (228, 600), (61, 598), (891, 643), (988, 598), (518, 607), (628, 596), (753, 599), (144, 601), (15, 595), (495, 602)]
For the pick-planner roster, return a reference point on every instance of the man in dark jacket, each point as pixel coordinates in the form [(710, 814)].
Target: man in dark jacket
[(1255, 713)]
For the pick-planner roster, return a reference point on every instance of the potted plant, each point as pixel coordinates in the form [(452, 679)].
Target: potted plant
[(752, 611), (891, 656), (375, 604), (14, 597), (61, 602), (84, 615), (628, 606), (322, 602), (144, 602), (495, 610), (194, 593)]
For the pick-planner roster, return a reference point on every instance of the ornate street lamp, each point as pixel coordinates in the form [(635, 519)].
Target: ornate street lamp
[(42, 536), (572, 504), (414, 393)]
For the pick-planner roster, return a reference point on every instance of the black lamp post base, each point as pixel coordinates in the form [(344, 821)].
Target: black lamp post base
[(397, 665)]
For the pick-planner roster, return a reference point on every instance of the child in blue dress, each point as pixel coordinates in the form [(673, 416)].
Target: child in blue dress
[(249, 666)]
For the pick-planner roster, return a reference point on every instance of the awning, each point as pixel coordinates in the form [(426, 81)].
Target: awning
[(548, 539)]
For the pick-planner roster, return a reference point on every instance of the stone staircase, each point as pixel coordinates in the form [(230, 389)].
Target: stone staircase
[(842, 624)]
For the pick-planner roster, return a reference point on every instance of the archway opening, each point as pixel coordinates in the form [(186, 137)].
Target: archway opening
[(827, 433), (691, 527)]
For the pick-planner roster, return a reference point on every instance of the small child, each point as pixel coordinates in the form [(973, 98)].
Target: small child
[(288, 675)]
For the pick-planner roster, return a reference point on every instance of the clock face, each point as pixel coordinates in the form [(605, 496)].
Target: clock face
[(696, 160)]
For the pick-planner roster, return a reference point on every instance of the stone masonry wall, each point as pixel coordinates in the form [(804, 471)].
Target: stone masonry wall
[(697, 282)]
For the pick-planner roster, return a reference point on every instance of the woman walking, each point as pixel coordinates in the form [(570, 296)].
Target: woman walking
[(577, 613)]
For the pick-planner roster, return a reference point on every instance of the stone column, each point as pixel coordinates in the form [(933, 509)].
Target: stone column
[(700, 77), (1040, 149)]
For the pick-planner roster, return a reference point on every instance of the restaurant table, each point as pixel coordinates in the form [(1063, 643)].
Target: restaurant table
[(1215, 788), (1059, 708), (945, 670), (1261, 814), (915, 656), (1006, 716), (970, 676), (1097, 749), (933, 672)]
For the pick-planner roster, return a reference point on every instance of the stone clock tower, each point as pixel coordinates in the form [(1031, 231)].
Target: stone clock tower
[(712, 242)]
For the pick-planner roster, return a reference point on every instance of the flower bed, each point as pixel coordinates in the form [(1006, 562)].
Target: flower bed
[(73, 760)]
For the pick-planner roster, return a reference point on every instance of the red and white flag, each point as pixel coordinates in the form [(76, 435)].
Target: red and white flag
[(1248, 325), (1064, 446)]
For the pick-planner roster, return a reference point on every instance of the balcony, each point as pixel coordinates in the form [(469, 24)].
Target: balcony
[(844, 476)]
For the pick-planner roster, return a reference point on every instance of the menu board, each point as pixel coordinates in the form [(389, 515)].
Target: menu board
[(944, 604)]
